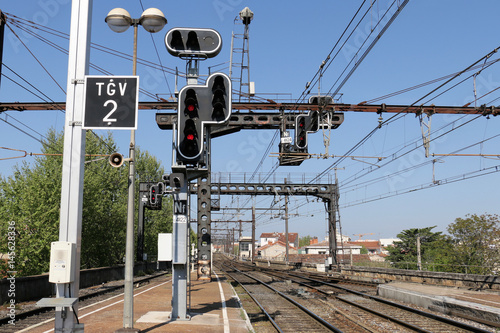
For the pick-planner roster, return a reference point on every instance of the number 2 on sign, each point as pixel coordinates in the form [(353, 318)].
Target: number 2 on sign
[(113, 109)]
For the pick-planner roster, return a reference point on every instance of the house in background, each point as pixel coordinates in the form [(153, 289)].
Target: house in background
[(385, 242), (323, 247), (316, 247), (373, 246), (275, 251), (273, 237)]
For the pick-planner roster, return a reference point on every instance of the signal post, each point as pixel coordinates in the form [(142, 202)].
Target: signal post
[(198, 108)]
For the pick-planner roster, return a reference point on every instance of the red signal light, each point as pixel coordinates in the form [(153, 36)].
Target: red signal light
[(190, 137), (190, 102)]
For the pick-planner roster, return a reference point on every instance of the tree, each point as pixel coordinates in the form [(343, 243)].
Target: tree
[(31, 199), (476, 242), (104, 206), (148, 169), (433, 247), (304, 241)]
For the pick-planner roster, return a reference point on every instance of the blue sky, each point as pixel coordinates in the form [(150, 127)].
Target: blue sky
[(288, 42)]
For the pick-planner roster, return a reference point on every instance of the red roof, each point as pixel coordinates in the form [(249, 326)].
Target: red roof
[(275, 243), (292, 236), (368, 244)]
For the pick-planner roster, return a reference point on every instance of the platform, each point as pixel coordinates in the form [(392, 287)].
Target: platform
[(210, 313), (483, 305)]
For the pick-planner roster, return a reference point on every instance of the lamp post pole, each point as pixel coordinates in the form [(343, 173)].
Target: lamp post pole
[(119, 20), (128, 302)]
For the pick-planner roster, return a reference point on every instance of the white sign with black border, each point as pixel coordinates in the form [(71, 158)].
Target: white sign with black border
[(111, 102)]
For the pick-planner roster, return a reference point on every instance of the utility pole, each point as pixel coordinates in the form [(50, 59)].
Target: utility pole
[(419, 255), (253, 233), (3, 21), (140, 226), (286, 228)]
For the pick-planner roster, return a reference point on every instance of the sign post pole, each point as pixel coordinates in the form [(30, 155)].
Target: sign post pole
[(180, 267), (70, 221)]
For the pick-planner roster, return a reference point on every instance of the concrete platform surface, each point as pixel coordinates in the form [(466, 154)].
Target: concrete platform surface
[(482, 305), (214, 308)]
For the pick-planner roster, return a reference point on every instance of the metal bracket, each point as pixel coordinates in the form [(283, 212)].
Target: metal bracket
[(59, 302), (77, 81), (75, 123)]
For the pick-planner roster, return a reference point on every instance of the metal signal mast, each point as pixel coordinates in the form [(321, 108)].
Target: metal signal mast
[(245, 17)]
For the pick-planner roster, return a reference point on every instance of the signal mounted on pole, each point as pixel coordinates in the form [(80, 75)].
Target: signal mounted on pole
[(193, 42), (321, 100), (200, 106), (306, 123), (155, 196)]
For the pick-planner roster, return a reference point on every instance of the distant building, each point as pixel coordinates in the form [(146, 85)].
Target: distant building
[(385, 242), (245, 245), (323, 247), (316, 248), (275, 251), (273, 237), (373, 246)]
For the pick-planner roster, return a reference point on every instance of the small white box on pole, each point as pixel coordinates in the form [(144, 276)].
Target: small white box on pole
[(62, 258), (164, 247), (251, 89)]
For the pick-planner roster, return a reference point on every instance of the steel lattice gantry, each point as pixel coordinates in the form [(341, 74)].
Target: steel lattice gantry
[(271, 105), (327, 192)]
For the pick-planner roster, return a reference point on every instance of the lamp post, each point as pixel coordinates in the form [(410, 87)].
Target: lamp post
[(119, 20)]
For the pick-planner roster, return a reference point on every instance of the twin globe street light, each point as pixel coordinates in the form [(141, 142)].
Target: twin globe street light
[(152, 19), (119, 20)]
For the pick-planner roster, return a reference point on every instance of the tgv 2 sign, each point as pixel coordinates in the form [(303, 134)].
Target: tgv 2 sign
[(111, 102)]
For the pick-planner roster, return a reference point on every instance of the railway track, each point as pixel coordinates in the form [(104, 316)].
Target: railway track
[(36, 316), (281, 310), (357, 303)]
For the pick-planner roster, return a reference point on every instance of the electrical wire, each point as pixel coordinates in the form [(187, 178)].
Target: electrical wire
[(401, 113), (445, 181), (45, 98), (158, 55), (304, 92), (370, 47), (421, 85), (35, 57), (412, 167), (16, 22)]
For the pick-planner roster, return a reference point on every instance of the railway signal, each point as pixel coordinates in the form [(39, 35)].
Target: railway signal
[(322, 100), (221, 102), (199, 106), (193, 43), (306, 123), (301, 132), (155, 196), (190, 132)]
